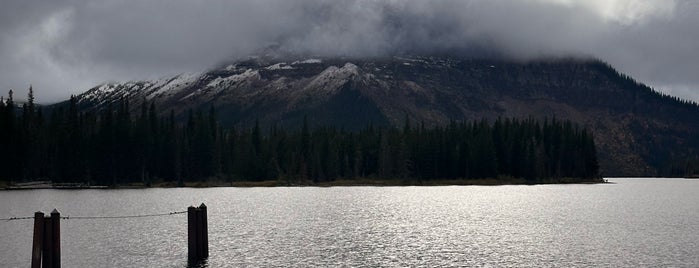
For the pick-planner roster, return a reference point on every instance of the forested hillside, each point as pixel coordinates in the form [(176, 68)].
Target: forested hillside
[(113, 147)]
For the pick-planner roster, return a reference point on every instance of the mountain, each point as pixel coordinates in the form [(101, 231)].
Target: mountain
[(638, 131)]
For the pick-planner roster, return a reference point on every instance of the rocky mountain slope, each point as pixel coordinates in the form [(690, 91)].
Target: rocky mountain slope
[(638, 132)]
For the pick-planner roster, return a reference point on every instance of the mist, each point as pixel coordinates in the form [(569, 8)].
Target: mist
[(65, 47)]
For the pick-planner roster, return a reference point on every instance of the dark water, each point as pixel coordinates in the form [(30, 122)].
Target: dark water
[(635, 222)]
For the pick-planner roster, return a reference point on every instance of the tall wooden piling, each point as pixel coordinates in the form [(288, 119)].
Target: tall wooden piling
[(192, 233), (200, 241), (197, 233), (204, 231), (38, 240), (56, 238), (47, 254)]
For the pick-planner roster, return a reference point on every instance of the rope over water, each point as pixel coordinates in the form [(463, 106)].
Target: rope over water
[(101, 217), (16, 218), (121, 217)]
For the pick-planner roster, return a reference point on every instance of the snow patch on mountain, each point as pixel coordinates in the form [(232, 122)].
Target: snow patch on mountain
[(308, 61), (279, 66), (104, 89), (221, 83), (166, 87), (233, 79), (333, 78), (98, 93)]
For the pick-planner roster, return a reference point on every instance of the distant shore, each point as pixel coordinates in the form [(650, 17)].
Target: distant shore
[(49, 185), (283, 183)]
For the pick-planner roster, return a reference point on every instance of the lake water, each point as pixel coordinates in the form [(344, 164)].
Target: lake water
[(631, 223)]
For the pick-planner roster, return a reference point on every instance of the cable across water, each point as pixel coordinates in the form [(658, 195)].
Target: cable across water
[(121, 217), (101, 217), (16, 218)]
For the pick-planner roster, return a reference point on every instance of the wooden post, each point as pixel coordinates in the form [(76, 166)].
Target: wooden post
[(197, 233), (56, 238), (38, 239), (200, 241), (47, 254), (204, 231), (192, 233)]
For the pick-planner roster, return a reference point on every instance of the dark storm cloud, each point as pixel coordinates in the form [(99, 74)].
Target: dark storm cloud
[(67, 46)]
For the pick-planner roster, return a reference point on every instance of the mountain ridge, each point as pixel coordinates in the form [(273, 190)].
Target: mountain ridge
[(639, 131)]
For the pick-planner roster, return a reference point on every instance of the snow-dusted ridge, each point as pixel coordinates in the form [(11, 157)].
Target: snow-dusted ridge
[(308, 61), (254, 77), (279, 66), (169, 86)]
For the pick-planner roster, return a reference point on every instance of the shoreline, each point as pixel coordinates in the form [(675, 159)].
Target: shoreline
[(282, 183)]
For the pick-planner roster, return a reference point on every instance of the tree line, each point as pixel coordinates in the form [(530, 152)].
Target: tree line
[(115, 146)]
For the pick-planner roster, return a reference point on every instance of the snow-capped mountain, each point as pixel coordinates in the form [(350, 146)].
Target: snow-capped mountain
[(627, 117)]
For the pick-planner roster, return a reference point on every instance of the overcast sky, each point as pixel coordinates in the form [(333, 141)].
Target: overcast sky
[(65, 47)]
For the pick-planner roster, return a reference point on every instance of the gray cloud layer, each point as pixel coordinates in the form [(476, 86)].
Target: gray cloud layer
[(64, 47)]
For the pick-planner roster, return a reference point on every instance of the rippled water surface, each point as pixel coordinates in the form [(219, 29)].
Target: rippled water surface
[(634, 222)]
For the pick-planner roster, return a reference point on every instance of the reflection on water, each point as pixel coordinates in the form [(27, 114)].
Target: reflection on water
[(635, 222)]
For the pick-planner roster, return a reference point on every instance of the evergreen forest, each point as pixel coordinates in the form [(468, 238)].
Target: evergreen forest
[(114, 146)]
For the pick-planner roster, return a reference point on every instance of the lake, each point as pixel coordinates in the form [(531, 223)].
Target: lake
[(630, 223)]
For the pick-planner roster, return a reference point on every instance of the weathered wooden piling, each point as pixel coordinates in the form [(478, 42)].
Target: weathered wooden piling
[(192, 232), (46, 254), (38, 242), (204, 231), (46, 244), (197, 233), (56, 238)]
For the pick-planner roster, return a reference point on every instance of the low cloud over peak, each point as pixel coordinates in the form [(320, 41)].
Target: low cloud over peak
[(64, 47)]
